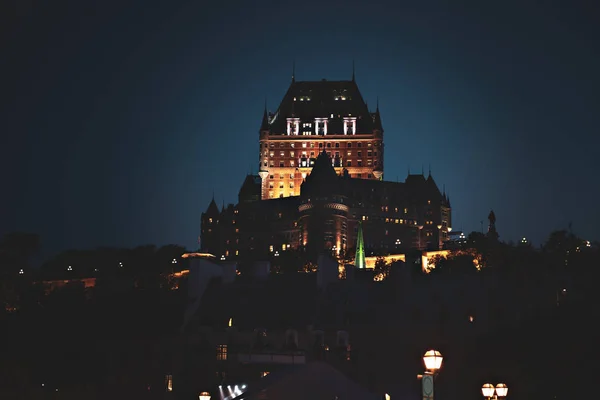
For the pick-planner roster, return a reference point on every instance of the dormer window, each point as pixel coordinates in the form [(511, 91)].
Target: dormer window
[(293, 126), (307, 128), (349, 125), (321, 126)]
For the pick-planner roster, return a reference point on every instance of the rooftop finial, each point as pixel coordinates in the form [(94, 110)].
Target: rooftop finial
[(352, 70), (377, 104), (293, 71), (429, 169)]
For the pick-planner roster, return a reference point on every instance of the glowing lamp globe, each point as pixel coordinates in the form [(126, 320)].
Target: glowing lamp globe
[(488, 390), (501, 390), (433, 360), (204, 396)]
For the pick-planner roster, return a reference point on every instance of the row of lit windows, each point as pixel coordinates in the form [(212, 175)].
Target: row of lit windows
[(271, 186), (292, 154), (321, 145), (386, 209), (304, 163), (335, 97)]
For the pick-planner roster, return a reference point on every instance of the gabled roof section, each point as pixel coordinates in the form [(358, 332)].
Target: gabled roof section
[(212, 208), (308, 100), (250, 190), (322, 178)]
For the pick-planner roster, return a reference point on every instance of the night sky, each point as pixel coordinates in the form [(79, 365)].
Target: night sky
[(119, 121)]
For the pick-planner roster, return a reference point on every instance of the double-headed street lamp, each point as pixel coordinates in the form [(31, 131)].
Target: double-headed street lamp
[(498, 392), (433, 362)]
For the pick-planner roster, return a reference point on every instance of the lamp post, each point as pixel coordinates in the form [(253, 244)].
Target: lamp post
[(433, 362), (498, 392)]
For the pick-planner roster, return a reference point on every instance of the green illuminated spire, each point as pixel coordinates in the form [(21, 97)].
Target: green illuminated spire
[(359, 260)]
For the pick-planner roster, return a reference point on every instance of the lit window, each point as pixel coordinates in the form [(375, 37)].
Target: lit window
[(222, 352)]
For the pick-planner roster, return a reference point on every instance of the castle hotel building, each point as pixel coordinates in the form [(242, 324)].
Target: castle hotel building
[(321, 168)]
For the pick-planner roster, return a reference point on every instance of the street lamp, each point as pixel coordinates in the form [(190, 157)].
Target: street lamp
[(204, 396), (433, 362), (498, 392)]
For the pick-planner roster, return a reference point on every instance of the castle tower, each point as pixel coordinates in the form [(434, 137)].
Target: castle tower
[(359, 260), (317, 116), (323, 210)]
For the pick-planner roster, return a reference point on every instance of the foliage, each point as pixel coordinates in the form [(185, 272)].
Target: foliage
[(381, 269), (457, 262)]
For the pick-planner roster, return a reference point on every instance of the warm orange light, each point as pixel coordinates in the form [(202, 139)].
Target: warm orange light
[(433, 360), (197, 255), (204, 396), (180, 273), (488, 390), (501, 390)]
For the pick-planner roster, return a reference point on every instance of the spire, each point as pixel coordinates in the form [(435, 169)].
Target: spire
[(264, 125), (359, 259), (293, 71), (377, 120), (430, 169), (353, 71), (212, 209)]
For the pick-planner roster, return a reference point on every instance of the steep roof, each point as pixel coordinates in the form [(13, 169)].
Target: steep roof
[(308, 100), (250, 190), (316, 380), (322, 178), (212, 208)]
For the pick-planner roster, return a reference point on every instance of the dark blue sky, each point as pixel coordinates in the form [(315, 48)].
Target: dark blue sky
[(120, 120)]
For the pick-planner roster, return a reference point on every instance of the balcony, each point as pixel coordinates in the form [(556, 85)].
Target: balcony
[(294, 358)]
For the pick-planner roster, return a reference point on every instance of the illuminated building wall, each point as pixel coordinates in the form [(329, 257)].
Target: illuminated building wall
[(313, 117)]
